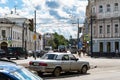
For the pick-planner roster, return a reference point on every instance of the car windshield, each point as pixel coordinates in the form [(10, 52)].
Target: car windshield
[(49, 56), (24, 74)]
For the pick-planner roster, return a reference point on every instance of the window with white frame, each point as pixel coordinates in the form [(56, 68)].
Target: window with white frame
[(108, 7), (3, 33), (115, 6), (108, 28), (100, 28), (116, 28), (100, 9)]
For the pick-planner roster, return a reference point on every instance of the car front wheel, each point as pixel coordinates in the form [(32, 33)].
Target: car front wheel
[(84, 70)]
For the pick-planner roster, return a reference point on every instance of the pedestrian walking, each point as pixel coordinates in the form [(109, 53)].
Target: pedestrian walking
[(34, 55), (117, 53), (79, 52), (84, 51)]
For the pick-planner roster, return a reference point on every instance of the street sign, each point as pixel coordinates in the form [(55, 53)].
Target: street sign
[(34, 37), (80, 45)]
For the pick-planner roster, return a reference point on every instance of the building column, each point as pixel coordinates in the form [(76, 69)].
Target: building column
[(104, 46), (112, 29), (119, 46), (112, 46)]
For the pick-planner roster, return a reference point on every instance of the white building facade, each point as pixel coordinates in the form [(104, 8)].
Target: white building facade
[(105, 26), (14, 32)]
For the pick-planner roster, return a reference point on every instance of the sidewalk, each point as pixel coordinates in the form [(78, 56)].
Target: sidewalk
[(100, 62)]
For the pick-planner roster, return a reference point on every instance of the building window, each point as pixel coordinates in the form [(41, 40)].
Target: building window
[(116, 7), (100, 29), (108, 7), (93, 10), (100, 9), (3, 33), (101, 46), (116, 28), (108, 28), (116, 45), (108, 46)]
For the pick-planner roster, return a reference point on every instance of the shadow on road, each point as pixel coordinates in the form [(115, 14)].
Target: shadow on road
[(63, 75)]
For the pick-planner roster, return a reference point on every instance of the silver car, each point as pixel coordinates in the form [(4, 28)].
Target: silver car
[(57, 62)]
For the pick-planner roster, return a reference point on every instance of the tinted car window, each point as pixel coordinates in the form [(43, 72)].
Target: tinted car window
[(65, 57), (49, 56)]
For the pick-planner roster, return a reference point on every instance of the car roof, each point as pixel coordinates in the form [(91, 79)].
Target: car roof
[(8, 67), (58, 53)]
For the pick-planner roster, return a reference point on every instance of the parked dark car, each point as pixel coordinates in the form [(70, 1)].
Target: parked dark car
[(40, 53), (16, 52), (11, 71), (2, 53)]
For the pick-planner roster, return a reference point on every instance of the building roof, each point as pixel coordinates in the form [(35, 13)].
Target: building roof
[(13, 17)]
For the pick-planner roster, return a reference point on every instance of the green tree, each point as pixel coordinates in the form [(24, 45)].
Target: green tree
[(57, 40)]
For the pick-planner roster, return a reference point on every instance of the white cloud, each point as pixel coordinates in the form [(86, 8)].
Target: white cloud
[(42, 12), (3, 1)]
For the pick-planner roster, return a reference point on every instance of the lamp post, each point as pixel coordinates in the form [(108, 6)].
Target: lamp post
[(78, 40), (35, 30), (91, 39), (91, 34)]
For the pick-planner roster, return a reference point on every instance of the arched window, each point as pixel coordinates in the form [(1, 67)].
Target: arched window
[(115, 6), (108, 8), (100, 9), (100, 28)]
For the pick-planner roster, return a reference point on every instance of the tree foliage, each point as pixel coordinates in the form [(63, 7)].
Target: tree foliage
[(58, 40)]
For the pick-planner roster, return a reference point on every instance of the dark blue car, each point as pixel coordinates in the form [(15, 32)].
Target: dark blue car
[(11, 71)]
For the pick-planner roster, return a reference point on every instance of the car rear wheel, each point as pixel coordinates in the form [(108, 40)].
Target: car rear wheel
[(57, 72), (8, 58), (39, 73), (26, 57), (18, 57), (84, 70)]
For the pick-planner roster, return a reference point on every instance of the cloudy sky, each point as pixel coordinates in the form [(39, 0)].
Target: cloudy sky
[(52, 15)]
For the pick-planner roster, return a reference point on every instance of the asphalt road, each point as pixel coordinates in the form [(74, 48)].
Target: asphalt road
[(101, 69)]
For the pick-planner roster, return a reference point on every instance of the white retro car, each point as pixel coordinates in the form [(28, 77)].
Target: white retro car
[(57, 62)]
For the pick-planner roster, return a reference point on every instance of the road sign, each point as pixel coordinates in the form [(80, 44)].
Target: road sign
[(34, 37), (80, 45)]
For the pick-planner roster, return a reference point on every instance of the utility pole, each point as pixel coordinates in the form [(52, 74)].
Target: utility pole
[(78, 35), (35, 29), (91, 35)]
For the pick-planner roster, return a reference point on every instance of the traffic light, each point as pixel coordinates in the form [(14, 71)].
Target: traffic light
[(31, 25)]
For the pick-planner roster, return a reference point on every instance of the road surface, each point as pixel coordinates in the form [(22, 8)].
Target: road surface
[(101, 69)]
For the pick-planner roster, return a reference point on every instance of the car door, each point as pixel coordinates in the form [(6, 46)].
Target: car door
[(74, 65), (65, 63)]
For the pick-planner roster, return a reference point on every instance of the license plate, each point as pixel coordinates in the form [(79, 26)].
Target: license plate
[(35, 64)]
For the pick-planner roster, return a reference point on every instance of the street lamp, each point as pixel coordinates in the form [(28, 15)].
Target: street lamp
[(35, 29), (91, 38)]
